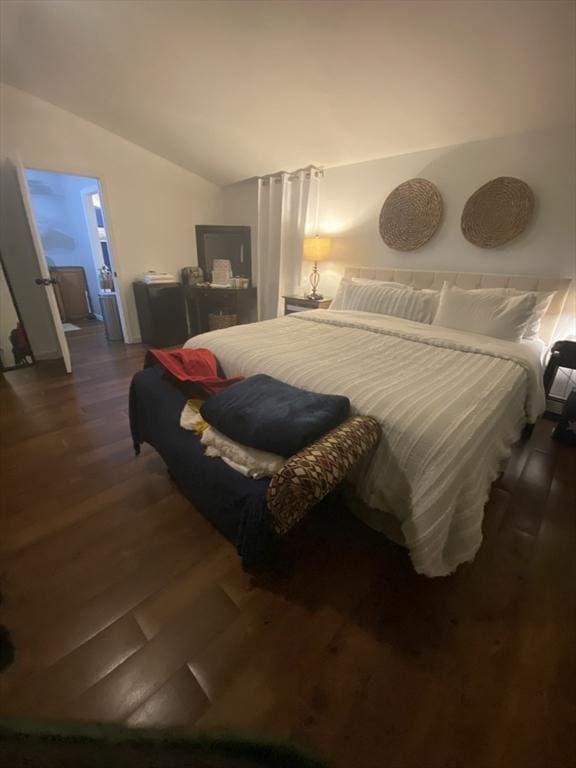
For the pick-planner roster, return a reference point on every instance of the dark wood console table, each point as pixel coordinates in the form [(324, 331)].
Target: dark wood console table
[(203, 301)]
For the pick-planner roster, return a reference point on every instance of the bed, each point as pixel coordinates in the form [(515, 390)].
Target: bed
[(450, 404)]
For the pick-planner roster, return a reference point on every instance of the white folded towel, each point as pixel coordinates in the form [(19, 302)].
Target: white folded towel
[(249, 461), (158, 277)]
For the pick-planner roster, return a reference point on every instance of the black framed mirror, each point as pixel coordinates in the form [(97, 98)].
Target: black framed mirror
[(15, 351), (224, 242)]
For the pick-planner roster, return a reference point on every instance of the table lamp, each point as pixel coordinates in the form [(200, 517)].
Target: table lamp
[(316, 249)]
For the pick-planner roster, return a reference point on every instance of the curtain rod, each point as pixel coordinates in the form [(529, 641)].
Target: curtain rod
[(309, 171)]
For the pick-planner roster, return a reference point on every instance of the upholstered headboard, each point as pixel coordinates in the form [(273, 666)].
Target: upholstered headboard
[(422, 279)]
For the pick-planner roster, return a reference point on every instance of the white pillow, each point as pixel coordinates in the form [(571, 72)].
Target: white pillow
[(486, 312), (383, 299), (543, 301)]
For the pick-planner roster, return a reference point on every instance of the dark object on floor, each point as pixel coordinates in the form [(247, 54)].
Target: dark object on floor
[(20, 345), (6, 648), (565, 431), (270, 415), (93, 746)]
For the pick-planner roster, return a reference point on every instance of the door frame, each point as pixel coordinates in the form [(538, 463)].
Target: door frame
[(116, 270)]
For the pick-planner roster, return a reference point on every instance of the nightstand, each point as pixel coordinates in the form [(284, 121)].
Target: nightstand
[(300, 303), (563, 355)]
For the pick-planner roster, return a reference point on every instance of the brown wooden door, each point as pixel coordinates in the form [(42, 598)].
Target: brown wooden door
[(71, 291)]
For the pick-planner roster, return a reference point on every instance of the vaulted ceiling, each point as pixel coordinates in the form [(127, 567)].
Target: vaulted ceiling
[(235, 88)]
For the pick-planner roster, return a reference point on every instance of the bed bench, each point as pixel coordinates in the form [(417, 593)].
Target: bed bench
[(250, 513)]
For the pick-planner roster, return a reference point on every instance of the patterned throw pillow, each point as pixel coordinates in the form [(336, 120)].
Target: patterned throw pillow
[(314, 471)]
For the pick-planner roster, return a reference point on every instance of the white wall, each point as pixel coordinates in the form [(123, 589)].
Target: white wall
[(352, 196), (151, 204), (240, 207)]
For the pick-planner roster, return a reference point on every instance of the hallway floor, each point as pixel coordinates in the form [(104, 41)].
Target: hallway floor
[(125, 605), (86, 329)]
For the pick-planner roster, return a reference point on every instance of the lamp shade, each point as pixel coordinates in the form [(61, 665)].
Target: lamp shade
[(316, 248)]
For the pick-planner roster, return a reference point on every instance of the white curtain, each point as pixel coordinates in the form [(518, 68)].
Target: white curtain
[(287, 211)]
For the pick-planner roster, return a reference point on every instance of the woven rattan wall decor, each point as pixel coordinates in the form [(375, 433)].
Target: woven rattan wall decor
[(497, 212), (410, 215)]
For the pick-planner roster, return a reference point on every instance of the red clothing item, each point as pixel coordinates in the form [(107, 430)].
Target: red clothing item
[(196, 366)]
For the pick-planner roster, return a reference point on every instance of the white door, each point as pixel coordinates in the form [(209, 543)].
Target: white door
[(45, 282)]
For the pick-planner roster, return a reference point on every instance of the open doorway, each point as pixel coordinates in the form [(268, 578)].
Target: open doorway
[(71, 223)]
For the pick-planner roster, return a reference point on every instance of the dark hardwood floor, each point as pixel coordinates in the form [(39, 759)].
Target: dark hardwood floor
[(126, 606)]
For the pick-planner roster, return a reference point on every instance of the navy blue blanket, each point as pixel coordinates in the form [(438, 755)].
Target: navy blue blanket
[(267, 414)]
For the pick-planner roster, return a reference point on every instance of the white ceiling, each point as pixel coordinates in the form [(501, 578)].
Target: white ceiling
[(236, 88)]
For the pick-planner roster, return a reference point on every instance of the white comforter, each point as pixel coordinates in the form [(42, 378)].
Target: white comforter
[(450, 404)]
